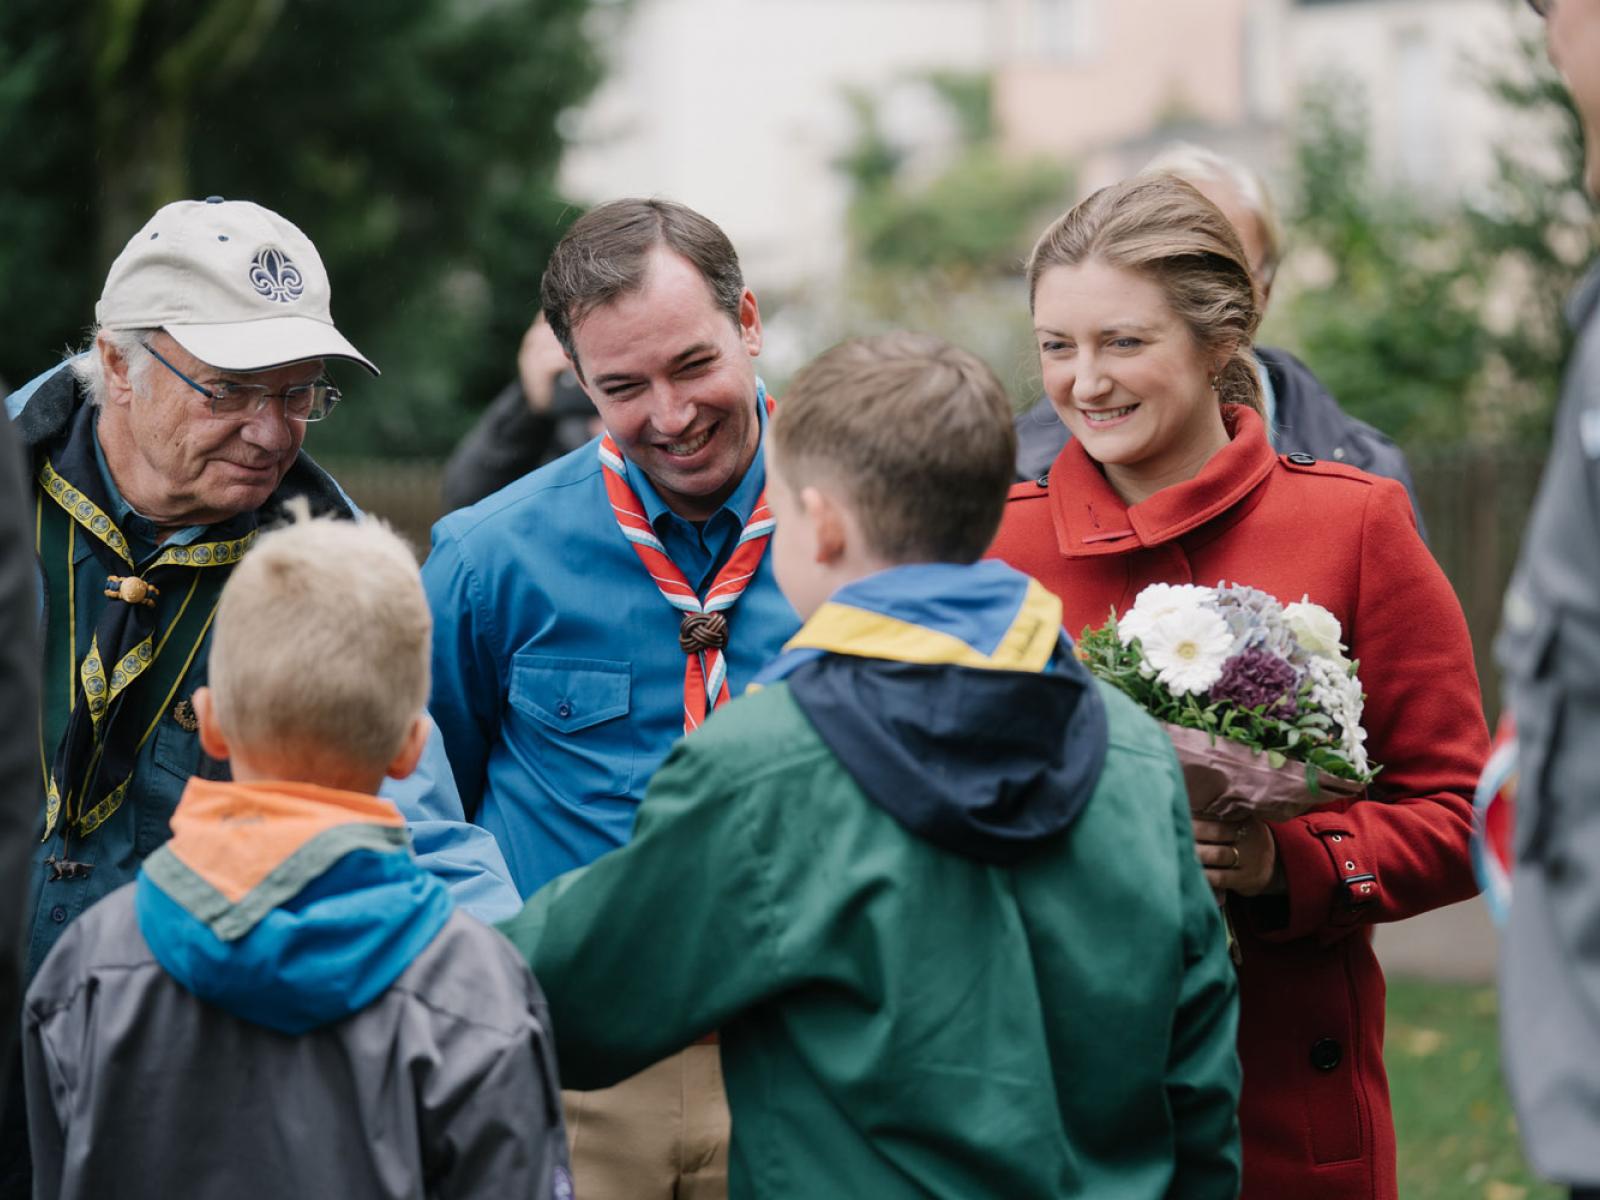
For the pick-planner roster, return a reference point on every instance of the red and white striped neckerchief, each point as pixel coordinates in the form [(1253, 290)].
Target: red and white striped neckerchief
[(703, 632)]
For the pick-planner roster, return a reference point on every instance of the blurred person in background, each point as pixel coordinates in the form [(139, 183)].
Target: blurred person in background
[(1301, 416), (1144, 310), (537, 417), (1549, 652), (593, 612)]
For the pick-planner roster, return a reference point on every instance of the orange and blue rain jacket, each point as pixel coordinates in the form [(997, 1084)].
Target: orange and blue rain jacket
[(287, 904)]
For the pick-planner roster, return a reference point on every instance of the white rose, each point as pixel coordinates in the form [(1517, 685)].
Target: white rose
[(1315, 628)]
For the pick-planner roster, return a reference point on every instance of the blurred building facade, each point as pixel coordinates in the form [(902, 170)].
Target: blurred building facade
[(1230, 73), (738, 106)]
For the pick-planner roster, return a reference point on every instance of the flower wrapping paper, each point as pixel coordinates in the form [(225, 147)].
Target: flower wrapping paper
[(1228, 781)]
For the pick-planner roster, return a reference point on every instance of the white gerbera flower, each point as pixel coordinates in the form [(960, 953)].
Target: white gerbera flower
[(1187, 647), (1157, 601), (1315, 628)]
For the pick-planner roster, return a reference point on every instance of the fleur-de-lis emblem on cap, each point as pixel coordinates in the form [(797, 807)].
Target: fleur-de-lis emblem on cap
[(275, 276)]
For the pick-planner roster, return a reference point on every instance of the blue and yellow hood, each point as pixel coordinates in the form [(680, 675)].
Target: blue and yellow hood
[(289, 905), (951, 695)]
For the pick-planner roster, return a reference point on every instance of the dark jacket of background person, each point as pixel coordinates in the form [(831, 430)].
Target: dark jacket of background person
[(20, 796), (1314, 1117), (510, 439), (1306, 420), (1549, 650), (450, 1067)]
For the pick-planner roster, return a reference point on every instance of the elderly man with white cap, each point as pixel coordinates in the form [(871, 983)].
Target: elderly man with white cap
[(156, 455)]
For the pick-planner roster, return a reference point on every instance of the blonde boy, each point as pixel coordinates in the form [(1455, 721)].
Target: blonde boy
[(284, 1003), (933, 885)]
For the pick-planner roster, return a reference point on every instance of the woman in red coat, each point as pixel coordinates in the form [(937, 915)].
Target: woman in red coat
[(1144, 310)]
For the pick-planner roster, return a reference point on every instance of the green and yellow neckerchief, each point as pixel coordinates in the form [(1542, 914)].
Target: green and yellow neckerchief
[(153, 622)]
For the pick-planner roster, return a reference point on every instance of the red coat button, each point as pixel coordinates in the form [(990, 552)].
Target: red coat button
[(1326, 1054)]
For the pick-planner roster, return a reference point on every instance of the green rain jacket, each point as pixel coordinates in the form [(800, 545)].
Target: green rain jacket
[(911, 1005)]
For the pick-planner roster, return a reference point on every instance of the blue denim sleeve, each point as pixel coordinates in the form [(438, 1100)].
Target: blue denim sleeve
[(464, 855), (467, 689)]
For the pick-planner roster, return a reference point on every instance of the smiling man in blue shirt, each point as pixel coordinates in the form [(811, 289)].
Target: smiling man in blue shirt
[(589, 614)]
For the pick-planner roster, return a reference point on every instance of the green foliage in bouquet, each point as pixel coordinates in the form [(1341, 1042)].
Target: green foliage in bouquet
[(1227, 661)]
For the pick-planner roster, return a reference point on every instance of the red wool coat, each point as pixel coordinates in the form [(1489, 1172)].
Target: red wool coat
[(1315, 1110)]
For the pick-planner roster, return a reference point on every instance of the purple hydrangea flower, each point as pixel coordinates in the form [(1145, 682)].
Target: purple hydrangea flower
[(1256, 619), (1256, 678)]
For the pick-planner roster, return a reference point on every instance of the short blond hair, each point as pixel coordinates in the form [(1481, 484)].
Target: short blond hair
[(321, 645), (916, 432)]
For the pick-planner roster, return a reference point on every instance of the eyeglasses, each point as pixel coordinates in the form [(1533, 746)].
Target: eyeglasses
[(304, 402)]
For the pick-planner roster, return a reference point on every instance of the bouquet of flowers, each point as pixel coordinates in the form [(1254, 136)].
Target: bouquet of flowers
[(1246, 686)]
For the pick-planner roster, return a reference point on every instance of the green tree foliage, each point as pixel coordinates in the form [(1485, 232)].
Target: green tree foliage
[(976, 216), (943, 252), (973, 218), (1393, 329), (415, 143), (1440, 322), (1540, 222)]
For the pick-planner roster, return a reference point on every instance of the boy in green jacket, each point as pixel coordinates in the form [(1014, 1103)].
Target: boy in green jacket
[(934, 885)]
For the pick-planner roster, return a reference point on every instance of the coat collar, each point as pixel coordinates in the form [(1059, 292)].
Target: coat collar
[(1091, 519)]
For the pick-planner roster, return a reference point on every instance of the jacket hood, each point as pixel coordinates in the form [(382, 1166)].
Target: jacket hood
[(286, 904), (953, 698)]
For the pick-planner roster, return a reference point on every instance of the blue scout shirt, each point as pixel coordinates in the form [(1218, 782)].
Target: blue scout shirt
[(557, 676), (464, 856)]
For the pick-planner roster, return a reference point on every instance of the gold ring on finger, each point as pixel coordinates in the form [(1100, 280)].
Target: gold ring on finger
[(1237, 857)]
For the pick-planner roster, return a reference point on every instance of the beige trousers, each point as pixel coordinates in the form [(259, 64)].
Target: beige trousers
[(661, 1135)]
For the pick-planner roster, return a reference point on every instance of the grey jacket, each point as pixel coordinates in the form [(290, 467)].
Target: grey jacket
[(1549, 652), (445, 1086)]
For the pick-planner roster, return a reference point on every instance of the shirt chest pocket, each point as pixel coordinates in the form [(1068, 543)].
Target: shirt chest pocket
[(572, 714)]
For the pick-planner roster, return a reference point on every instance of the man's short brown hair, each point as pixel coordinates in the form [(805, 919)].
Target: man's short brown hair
[(915, 431), (606, 254)]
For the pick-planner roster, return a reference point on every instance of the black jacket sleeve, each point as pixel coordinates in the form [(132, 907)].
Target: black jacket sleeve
[(509, 440), (19, 723)]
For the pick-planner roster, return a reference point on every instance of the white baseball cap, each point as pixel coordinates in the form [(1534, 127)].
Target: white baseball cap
[(231, 282)]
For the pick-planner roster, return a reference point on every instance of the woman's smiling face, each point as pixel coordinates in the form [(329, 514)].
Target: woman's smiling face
[(1126, 376)]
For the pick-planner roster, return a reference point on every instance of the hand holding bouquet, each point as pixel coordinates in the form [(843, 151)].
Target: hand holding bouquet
[(1246, 687)]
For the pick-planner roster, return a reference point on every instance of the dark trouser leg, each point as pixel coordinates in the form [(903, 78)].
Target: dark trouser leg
[(16, 1164)]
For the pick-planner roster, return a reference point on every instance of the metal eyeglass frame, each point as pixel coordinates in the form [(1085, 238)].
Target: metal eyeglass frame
[(330, 399)]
